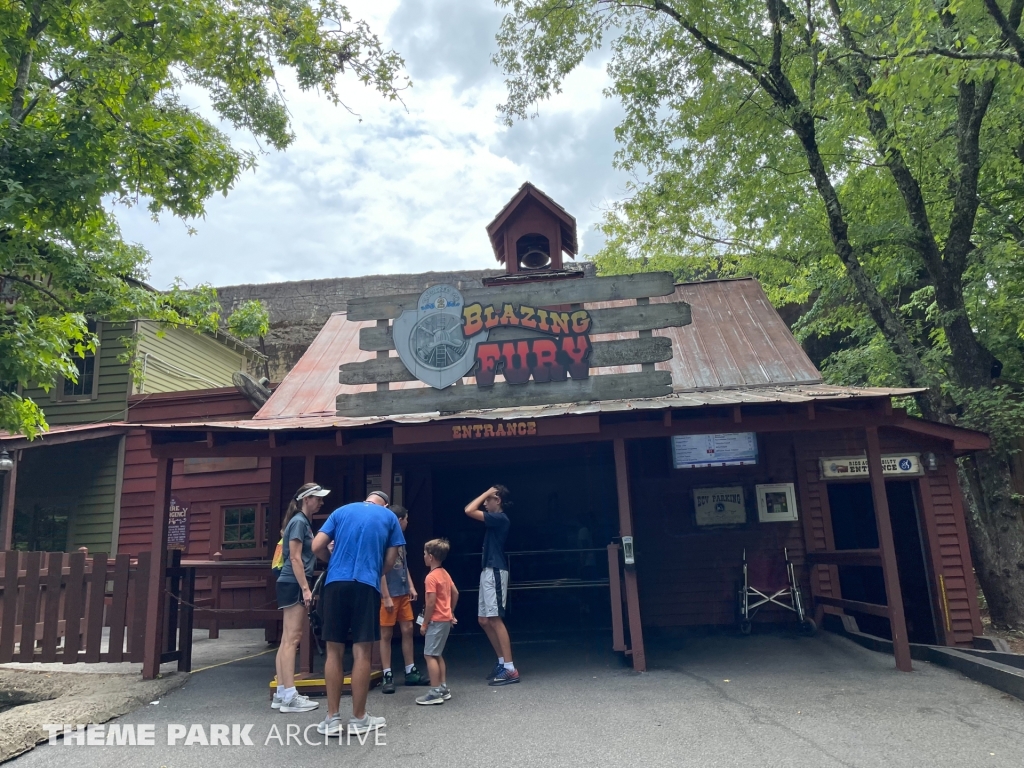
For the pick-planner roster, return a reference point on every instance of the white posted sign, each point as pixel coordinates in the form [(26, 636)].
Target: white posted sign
[(720, 506), (893, 465)]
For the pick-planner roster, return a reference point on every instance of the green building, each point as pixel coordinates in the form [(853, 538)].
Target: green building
[(67, 485)]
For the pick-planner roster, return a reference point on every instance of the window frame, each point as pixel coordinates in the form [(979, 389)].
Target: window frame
[(61, 396), (258, 550)]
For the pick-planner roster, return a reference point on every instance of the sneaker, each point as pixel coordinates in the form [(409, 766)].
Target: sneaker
[(298, 703), (446, 691), (276, 702), (389, 683), (433, 696), (506, 677), (330, 726), (368, 723), (415, 677), (498, 669)]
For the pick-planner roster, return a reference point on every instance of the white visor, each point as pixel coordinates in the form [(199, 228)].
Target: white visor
[(316, 490)]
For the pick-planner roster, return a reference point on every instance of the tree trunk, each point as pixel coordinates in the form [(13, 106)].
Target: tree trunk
[(996, 531)]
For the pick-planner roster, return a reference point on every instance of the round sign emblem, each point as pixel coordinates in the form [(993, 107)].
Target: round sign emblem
[(905, 465), (430, 341)]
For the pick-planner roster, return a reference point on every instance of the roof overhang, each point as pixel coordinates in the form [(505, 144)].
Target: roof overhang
[(75, 433)]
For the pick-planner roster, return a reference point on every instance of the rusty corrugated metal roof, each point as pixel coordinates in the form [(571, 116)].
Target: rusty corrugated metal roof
[(736, 339), (794, 393)]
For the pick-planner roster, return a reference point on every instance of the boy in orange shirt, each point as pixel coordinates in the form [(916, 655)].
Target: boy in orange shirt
[(439, 615)]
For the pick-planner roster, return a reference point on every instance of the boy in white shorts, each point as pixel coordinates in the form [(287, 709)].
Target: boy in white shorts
[(489, 508)]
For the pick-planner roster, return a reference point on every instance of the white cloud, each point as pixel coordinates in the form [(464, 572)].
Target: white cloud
[(398, 191)]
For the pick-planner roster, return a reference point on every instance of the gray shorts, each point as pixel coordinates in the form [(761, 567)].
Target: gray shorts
[(493, 595), (436, 637)]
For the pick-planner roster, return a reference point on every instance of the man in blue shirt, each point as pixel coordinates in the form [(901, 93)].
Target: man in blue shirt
[(489, 508), (366, 537)]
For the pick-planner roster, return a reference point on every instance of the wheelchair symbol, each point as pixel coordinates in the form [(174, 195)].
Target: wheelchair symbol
[(905, 465)]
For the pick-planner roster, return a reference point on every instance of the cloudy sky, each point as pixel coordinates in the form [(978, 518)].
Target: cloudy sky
[(403, 189)]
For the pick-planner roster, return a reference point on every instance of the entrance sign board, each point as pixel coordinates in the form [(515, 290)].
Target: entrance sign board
[(731, 449), (177, 525), (496, 433), (893, 465), (719, 506), (441, 337)]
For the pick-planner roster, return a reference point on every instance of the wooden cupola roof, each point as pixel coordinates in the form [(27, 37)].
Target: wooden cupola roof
[(531, 222)]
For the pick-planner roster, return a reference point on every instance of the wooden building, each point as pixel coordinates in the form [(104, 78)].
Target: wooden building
[(81, 505), (613, 390)]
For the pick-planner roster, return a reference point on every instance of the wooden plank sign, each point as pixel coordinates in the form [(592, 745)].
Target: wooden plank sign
[(504, 431), (536, 336)]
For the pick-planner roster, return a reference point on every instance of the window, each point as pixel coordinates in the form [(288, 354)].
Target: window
[(87, 386), (86, 373), (240, 528)]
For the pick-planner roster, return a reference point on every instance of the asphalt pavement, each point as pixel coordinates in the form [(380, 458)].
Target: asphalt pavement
[(707, 700)]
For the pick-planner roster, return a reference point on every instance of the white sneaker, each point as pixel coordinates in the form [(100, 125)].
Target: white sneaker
[(330, 726), (298, 703), (368, 723)]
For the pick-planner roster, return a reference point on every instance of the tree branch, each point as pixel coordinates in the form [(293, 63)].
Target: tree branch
[(972, 106), (37, 287), (1008, 29)]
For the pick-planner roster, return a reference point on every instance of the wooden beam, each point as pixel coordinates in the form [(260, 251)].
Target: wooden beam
[(618, 386), (158, 567), (533, 294), (325, 447), (387, 472), (810, 411), (636, 632), (609, 320), (506, 432), (856, 605), (309, 470), (845, 557), (7, 505), (615, 590), (893, 596), (737, 415), (603, 354)]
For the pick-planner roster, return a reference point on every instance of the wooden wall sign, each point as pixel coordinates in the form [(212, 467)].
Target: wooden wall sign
[(530, 335), (497, 432), (196, 466)]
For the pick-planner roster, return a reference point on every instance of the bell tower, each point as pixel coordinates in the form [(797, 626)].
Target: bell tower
[(531, 235)]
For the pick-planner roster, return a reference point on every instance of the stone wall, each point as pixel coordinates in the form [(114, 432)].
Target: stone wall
[(298, 310)]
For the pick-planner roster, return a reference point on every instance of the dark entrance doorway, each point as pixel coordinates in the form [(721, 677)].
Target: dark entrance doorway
[(854, 527), (564, 515)]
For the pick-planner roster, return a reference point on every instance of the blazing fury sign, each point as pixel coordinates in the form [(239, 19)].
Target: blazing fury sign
[(519, 360), (444, 339)]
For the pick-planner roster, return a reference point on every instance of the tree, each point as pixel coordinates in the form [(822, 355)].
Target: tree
[(91, 115), (862, 158)]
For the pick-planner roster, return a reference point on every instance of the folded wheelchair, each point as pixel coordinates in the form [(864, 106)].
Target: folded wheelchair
[(770, 580)]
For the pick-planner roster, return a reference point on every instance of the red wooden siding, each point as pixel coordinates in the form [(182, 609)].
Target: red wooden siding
[(689, 576), (205, 493), (940, 498)]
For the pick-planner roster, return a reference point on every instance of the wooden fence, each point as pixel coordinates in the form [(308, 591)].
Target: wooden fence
[(55, 606)]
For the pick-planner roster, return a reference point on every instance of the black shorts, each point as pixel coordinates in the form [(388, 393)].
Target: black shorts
[(351, 612), (289, 593)]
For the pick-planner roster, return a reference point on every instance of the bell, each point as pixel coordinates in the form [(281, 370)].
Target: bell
[(535, 259)]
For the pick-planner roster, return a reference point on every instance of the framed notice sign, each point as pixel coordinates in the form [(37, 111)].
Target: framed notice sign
[(177, 525), (776, 503), (725, 450), (893, 465), (719, 506)]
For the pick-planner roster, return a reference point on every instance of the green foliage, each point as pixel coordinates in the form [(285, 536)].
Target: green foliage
[(250, 320), (726, 108), (91, 114)]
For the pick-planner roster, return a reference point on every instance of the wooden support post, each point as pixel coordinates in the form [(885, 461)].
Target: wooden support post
[(615, 590), (893, 596), (158, 570), (7, 506), (310, 469), (636, 633), (387, 472), (271, 632), (215, 583)]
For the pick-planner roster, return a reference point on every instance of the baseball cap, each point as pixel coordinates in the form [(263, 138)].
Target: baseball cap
[(316, 490), (382, 495)]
